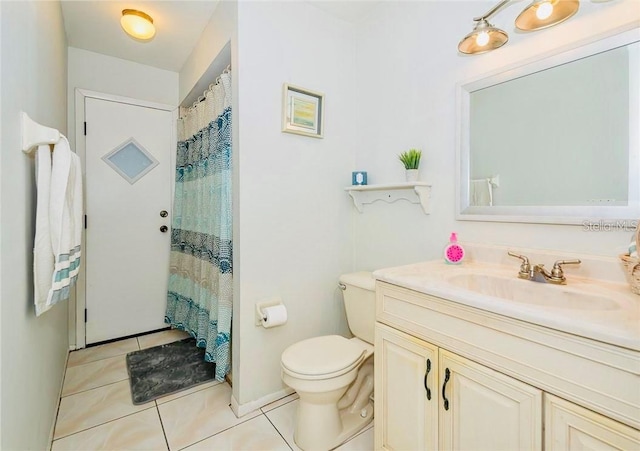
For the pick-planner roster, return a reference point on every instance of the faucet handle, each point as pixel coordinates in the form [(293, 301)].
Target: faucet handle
[(557, 273), (524, 258), (525, 267)]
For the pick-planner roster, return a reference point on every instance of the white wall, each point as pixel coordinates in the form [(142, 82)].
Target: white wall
[(109, 75), (0, 223), (218, 32), (407, 70), (294, 219), (34, 350)]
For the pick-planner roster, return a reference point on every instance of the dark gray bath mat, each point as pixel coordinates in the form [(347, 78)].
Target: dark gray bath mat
[(167, 369)]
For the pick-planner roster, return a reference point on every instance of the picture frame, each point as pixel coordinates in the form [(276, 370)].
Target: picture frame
[(302, 111)]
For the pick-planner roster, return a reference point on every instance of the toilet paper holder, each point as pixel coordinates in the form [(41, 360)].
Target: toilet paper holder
[(260, 316)]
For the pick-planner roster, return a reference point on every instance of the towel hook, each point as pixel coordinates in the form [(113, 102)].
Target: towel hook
[(34, 134)]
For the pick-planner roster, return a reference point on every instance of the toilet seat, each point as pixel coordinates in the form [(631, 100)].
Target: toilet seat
[(322, 357)]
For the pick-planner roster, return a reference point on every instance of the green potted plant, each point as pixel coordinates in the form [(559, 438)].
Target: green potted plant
[(411, 161)]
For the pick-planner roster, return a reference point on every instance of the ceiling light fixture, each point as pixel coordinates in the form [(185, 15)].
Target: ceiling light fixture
[(538, 15), (137, 24)]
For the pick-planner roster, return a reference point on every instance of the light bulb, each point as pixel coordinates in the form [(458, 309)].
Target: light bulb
[(482, 38), (544, 10)]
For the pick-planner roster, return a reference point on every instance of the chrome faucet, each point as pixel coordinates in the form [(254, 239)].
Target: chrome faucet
[(538, 273)]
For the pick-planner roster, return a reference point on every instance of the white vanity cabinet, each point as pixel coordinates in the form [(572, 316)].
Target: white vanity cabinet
[(430, 399), (406, 392), (572, 428), (502, 375), (486, 410)]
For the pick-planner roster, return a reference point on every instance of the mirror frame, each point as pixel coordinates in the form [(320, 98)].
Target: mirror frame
[(578, 215)]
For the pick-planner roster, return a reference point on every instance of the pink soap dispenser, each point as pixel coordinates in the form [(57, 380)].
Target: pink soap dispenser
[(453, 252)]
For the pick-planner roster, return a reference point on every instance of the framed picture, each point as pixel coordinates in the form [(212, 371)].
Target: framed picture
[(302, 111)]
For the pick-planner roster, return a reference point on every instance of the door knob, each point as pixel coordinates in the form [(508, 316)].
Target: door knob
[(164, 228), (163, 214)]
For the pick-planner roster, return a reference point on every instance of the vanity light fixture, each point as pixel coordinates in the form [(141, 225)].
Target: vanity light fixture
[(137, 24), (538, 15), (546, 13), (484, 38)]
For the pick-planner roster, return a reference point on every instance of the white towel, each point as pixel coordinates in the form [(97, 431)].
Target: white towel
[(43, 261), (64, 227), (481, 193)]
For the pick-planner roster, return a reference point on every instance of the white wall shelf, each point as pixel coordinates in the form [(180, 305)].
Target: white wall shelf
[(414, 192)]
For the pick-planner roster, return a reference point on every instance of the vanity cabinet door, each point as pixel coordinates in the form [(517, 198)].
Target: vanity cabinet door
[(569, 427), (406, 392), (481, 409)]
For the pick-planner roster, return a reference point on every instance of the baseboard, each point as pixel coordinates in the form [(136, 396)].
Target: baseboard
[(55, 413), (242, 409)]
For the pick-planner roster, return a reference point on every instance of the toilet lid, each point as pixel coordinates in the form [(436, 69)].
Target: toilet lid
[(321, 355)]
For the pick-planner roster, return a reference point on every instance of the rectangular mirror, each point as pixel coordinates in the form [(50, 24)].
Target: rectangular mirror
[(556, 140)]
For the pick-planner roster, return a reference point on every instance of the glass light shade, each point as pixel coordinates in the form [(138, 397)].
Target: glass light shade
[(544, 10), (484, 38), (137, 24), (533, 17)]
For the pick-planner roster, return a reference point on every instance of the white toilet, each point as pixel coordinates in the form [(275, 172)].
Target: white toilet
[(333, 375)]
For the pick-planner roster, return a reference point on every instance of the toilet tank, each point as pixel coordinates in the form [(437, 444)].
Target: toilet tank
[(360, 304)]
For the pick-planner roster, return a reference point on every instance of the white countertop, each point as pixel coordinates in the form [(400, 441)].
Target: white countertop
[(610, 314)]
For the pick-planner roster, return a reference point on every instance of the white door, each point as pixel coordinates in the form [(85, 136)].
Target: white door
[(483, 410), (406, 392), (128, 188)]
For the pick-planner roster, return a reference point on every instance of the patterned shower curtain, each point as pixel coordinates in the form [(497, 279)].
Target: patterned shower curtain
[(200, 280)]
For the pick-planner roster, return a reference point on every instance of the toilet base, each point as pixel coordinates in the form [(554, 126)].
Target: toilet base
[(352, 423)]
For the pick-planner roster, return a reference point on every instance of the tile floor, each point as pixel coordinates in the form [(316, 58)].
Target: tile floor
[(96, 412)]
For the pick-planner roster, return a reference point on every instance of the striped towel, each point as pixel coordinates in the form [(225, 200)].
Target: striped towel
[(64, 227)]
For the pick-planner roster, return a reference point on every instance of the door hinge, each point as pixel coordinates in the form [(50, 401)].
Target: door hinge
[(85, 315), (85, 221), (85, 128)]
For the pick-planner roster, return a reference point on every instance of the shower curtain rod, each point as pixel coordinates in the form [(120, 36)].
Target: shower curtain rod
[(216, 82)]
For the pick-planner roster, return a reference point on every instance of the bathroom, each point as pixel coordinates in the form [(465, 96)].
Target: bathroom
[(388, 71)]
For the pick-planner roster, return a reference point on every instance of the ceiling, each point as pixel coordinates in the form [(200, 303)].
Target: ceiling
[(95, 26)]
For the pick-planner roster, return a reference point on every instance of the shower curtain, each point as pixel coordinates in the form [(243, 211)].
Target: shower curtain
[(200, 294)]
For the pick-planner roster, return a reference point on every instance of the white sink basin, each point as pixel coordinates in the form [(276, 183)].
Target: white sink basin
[(593, 308), (572, 297)]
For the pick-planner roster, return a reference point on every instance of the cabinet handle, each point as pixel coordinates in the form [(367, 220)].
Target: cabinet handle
[(426, 374), (447, 374)]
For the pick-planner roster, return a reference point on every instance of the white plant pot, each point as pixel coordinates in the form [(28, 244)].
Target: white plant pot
[(411, 175)]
